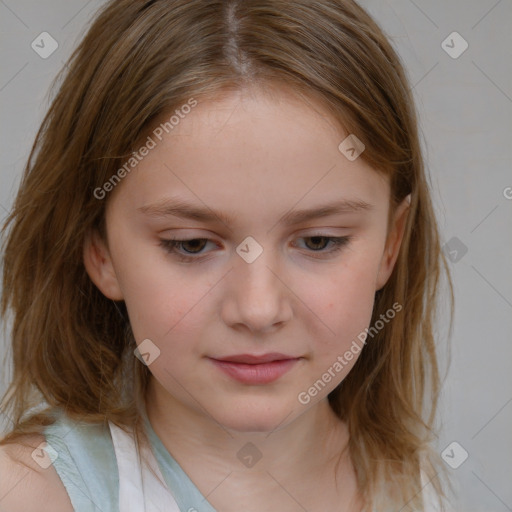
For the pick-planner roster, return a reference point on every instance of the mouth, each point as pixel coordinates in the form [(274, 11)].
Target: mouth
[(255, 370)]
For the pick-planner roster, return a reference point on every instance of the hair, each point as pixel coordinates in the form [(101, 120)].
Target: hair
[(73, 348)]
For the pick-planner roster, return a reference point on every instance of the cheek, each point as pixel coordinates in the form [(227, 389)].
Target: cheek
[(161, 299), (167, 309), (343, 304)]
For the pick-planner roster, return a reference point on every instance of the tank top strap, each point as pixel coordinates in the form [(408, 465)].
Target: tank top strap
[(139, 490)]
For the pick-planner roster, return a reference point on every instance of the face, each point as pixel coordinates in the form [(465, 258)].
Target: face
[(248, 250)]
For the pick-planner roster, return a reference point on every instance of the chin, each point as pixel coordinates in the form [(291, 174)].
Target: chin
[(261, 418)]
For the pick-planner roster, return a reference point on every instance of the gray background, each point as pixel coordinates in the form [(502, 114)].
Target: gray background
[(465, 106)]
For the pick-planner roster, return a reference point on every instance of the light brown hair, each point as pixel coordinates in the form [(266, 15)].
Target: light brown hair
[(73, 348)]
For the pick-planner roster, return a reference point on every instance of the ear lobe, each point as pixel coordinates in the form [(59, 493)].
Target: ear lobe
[(99, 267), (393, 243)]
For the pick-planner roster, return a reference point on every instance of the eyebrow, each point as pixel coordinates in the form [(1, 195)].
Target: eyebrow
[(181, 208)]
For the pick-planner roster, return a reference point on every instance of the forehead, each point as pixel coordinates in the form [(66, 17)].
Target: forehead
[(266, 146)]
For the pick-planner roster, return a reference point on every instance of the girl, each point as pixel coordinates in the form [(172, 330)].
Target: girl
[(222, 265)]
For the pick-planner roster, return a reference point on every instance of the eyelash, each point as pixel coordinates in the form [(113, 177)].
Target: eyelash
[(171, 246)]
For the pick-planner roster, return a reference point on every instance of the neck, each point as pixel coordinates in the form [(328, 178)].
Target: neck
[(315, 441)]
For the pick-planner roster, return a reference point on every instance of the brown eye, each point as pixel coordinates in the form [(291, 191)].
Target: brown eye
[(323, 245), (318, 242), (193, 246), (185, 250)]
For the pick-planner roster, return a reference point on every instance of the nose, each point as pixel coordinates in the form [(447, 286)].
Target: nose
[(256, 298)]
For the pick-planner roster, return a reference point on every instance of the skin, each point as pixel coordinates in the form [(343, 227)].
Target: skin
[(255, 156)]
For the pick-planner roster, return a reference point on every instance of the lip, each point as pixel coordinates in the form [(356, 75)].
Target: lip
[(252, 369), (255, 359)]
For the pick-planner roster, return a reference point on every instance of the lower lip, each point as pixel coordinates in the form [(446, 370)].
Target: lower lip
[(256, 373)]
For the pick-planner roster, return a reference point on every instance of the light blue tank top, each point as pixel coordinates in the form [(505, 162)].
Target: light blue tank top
[(99, 468), (88, 463)]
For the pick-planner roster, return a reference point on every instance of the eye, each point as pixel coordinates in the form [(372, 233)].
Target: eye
[(318, 243), (191, 246)]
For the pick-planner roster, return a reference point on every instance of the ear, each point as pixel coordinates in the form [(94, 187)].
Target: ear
[(393, 242), (98, 263)]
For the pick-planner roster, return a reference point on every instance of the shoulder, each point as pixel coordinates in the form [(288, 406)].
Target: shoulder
[(78, 470), (85, 461), (27, 482)]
